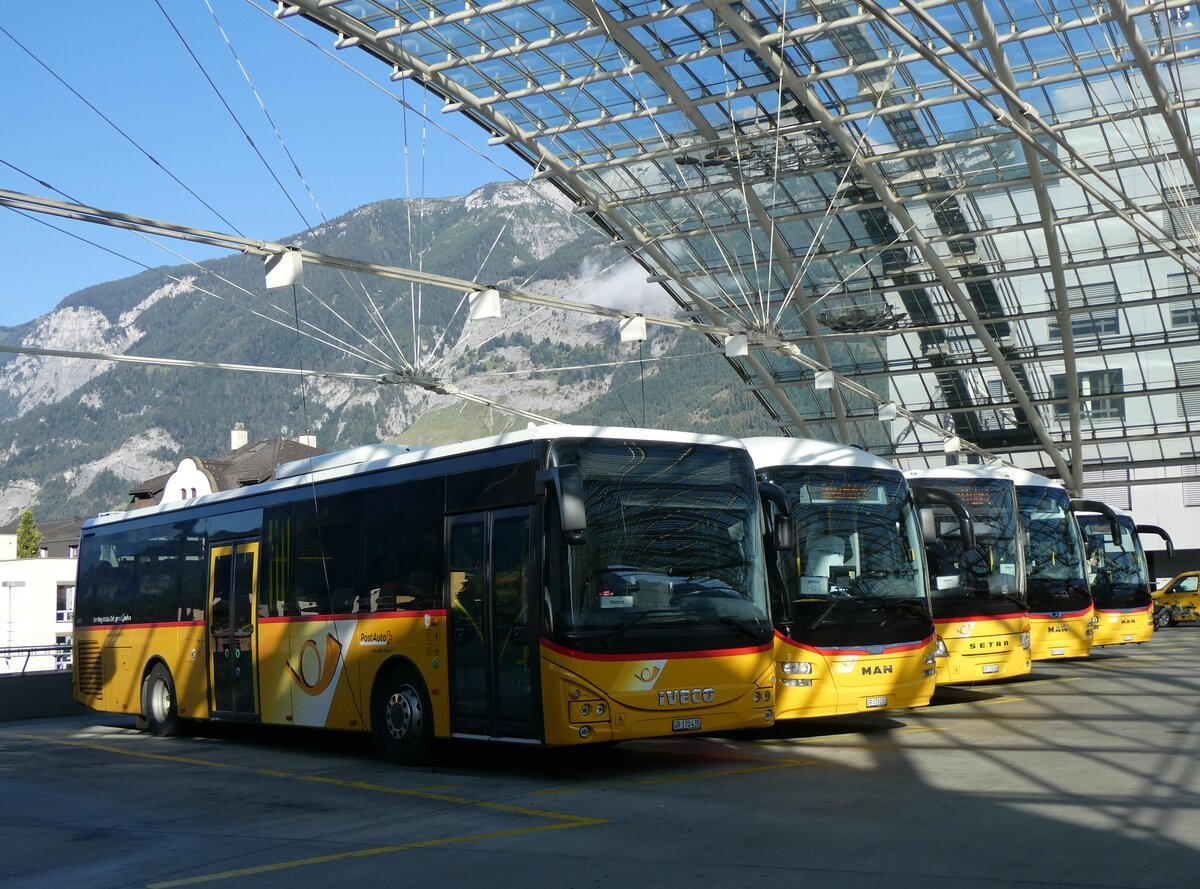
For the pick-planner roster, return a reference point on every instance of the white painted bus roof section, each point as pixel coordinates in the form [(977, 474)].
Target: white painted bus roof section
[(767, 451), (1021, 477), (373, 458)]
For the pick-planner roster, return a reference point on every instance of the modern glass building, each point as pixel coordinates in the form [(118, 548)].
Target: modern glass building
[(981, 216)]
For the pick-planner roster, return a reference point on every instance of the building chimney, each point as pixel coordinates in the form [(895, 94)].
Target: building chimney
[(308, 438), (238, 437)]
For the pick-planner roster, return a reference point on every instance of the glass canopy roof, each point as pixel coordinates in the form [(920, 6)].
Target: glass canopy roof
[(982, 216)]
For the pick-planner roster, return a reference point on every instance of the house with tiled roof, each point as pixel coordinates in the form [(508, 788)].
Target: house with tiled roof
[(247, 463)]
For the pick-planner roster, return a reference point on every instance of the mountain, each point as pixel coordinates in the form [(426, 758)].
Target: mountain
[(76, 434)]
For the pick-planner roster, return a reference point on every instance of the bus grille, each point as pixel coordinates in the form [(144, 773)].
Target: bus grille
[(90, 669)]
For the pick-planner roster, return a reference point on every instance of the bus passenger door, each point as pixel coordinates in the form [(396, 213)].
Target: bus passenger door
[(493, 669), (232, 590)]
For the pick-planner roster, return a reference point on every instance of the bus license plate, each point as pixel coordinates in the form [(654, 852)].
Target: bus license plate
[(991, 668), (686, 725), (1129, 637), (876, 702), (1054, 652)]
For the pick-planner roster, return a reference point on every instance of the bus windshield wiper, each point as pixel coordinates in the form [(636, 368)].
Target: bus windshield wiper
[(629, 620)]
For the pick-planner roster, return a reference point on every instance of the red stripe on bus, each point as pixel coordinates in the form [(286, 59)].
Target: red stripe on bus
[(887, 649), (647, 656), (356, 615), (103, 628), (980, 617)]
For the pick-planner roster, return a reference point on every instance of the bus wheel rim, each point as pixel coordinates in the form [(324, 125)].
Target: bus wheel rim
[(404, 714), (160, 701)]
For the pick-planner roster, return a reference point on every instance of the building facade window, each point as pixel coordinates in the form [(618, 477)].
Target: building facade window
[(1103, 322), (1109, 486), (1184, 313), (1191, 489), (1094, 388)]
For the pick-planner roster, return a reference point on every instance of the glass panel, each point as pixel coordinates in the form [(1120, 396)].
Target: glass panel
[(514, 678), (468, 620)]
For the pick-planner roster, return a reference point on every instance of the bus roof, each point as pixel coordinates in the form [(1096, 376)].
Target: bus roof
[(1021, 477), (372, 458), (782, 451)]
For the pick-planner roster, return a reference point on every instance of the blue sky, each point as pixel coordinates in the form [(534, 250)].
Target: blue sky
[(347, 136)]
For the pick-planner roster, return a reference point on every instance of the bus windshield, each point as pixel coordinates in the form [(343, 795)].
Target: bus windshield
[(856, 573), (1054, 560), (673, 554), (1117, 570), (855, 535), (993, 570)]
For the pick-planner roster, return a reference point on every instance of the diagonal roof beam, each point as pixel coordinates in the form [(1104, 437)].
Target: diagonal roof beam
[(642, 57), (897, 209), (1141, 55), (987, 27)]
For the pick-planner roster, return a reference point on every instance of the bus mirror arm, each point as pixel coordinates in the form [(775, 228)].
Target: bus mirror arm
[(925, 493), (1080, 505), (1160, 532), (567, 481), (783, 537)]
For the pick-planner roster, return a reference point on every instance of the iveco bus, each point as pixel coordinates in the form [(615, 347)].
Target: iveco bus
[(559, 585), (979, 603), (850, 601)]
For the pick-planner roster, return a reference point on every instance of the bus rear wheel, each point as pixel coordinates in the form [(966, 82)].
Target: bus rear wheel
[(402, 718), (159, 709)]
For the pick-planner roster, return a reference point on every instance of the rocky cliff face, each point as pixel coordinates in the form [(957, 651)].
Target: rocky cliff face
[(76, 434)]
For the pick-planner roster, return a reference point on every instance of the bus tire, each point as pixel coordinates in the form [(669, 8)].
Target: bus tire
[(159, 708), (402, 717)]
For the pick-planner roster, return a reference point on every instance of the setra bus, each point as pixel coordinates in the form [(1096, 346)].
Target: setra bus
[(558, 585), (1120, 579), (850, 603), (1062, 618), (978, 593)]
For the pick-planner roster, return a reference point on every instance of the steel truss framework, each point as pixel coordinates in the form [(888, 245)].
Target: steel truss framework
[(984, 211)]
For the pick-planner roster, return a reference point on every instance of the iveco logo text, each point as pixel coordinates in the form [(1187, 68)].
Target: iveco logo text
[(1003, 643), (686, 696), (876, 670)]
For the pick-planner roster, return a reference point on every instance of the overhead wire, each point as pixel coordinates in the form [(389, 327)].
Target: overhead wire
[(369, 306)]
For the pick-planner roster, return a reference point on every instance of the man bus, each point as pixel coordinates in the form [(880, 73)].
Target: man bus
[(850, 601)]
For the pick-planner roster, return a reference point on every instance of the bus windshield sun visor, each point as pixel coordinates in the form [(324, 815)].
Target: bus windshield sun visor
[(1079, 505)]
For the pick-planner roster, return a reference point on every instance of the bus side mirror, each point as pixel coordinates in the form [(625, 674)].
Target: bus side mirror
[(928, 526), (783, 535), (1078, 505), (567, 481), (1155, 529)]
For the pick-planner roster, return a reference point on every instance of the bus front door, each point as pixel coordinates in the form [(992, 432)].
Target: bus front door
[(493, 675), (232, 587)]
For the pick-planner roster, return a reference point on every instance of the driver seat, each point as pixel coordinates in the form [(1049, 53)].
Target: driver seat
[(824, 553)]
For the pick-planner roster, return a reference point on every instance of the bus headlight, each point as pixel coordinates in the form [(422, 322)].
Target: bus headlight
[(797, 668), (940, 649), (796, 683), (1025, 640), (930, 658)]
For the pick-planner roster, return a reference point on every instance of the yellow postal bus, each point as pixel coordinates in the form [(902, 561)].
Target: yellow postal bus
[(1120, 580), (559, 585), (850, 602), (978, 593)]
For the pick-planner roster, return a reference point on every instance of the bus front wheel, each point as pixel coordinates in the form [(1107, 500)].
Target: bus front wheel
[(159, 709), (402, 719)]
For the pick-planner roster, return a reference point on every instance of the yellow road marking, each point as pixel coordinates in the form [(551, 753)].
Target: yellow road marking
[(561, 820), (667, 779), (361, 853)]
